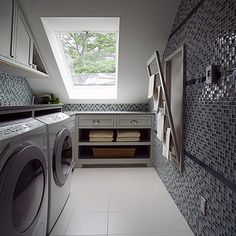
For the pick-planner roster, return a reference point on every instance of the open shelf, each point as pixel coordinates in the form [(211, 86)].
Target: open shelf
[(114, 143), (12, 67), (141, 152), (84, 137)]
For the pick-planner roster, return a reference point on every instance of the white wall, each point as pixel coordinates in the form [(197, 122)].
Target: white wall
[(144, 27)]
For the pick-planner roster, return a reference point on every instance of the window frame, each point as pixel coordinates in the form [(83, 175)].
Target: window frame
[(55, 25)]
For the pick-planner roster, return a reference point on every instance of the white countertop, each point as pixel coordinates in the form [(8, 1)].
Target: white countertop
[(10, 109), (72, 113)]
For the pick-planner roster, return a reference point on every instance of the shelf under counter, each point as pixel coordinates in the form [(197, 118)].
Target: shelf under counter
[(139, 152), (115, 158), (145, 136), (114, 143), (115, 162)]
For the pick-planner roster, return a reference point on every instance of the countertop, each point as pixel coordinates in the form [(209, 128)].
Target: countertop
[(11, 109), (17, 109), (72, 113)]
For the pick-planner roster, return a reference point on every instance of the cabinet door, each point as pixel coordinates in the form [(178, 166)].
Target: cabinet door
[(6, 28), (24, 43)]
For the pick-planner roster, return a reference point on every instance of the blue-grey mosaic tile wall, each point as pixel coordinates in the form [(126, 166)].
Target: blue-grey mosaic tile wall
[(14, 91), (185, 9), (207, 28), (106, 107)]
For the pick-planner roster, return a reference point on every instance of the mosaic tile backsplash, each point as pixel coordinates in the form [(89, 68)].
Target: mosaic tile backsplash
[(207, 28), (14, 91), (106, 107)]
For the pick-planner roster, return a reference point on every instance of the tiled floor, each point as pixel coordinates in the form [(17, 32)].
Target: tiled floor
[(125, 202)]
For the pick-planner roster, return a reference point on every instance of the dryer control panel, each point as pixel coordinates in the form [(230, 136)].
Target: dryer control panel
[(11, 129), (52, 118)]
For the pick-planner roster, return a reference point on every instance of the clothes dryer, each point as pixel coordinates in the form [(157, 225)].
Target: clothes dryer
[(60, 129), (23, 178)]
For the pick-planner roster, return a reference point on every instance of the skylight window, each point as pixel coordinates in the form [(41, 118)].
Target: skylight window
[(86, 51), (91, 57)]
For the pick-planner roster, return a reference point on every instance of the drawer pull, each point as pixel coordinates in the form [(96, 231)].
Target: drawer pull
[(96, 122), (134, 122)]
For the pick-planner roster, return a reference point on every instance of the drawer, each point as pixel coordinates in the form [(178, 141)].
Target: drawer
[(134, 121), (96, 121)]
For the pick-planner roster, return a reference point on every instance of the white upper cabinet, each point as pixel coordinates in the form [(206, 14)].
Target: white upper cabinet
[(18, 51), (24, 42), (6, 28)]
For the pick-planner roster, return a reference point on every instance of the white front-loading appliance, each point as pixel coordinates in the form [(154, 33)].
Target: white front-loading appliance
[(23, 178), (60, 128)]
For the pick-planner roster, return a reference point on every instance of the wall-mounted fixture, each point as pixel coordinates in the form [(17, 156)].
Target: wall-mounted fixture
[(211, 74), (175, 77), (172, 89)]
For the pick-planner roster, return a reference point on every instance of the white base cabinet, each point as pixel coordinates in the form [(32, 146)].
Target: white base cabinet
[(141, 151)]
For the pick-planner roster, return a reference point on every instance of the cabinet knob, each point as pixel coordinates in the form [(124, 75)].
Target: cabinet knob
[(134, 122), (96, 122)]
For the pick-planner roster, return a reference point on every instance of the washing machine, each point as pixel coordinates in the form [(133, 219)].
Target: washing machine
[(23, 178), (60, 128)]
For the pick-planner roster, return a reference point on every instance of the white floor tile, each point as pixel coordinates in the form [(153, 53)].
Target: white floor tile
[(135, 182), (145, 201), (145, 223), (128, 223), (87, 224), (160, 202), (120, 201), (89, 185), (92, 202), (167, 221), (157, 234)]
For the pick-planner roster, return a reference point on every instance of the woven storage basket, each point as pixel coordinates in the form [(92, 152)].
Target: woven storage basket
[(113, 152)]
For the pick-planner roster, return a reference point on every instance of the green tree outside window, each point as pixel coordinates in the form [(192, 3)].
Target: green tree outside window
[(91, 57)]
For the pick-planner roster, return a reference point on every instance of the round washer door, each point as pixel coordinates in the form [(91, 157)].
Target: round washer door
[(62, 157), (22, 187)]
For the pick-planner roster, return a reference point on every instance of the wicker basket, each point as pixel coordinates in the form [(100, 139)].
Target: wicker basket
[(113, 152)]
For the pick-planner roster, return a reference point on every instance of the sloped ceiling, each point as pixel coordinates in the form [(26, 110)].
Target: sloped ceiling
[(145, 26)]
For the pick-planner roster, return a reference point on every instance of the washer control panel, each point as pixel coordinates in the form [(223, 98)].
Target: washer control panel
[(53, 118), (14, 128)]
